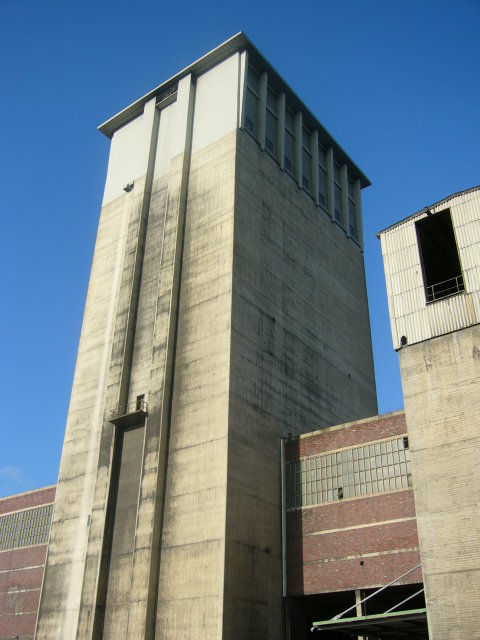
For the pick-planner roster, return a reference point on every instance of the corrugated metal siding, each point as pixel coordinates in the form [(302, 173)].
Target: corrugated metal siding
[(410, 315)]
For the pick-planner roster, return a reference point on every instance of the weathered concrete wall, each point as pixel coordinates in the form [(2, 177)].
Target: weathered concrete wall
[(300, 359), (441, 385), (190, 594)]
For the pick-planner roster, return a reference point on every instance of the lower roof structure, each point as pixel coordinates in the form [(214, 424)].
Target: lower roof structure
[(396, 625)]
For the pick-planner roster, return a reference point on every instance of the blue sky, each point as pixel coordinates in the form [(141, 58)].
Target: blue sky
[(396, 83)]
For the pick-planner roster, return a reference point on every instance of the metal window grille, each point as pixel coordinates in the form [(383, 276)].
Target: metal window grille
[(25, 528), (368, 469)]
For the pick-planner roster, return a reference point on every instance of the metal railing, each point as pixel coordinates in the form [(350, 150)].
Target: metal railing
[(446, 288), (136, 406)]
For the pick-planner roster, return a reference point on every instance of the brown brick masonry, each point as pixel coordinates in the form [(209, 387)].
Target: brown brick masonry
[(21, 573), (350, 434), (357, 543), (20, 501)]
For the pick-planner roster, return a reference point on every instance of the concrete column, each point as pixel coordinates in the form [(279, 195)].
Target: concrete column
[(262, 108), (359, 611), (242, 87), (314, 152), (281, 129), (357, 194), (344, 184), (330, 174), (298, 147)]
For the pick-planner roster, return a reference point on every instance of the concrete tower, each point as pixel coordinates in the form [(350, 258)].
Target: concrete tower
[(226, 308), (432, 271)]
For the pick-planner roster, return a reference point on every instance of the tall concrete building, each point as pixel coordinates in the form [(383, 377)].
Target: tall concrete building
[(226, 308), (432, 271)]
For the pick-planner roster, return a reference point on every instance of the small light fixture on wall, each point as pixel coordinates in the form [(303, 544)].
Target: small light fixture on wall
[(127, 188)]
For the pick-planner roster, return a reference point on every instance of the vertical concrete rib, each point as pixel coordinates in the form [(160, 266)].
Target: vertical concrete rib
[(92, 611), (164, 343)]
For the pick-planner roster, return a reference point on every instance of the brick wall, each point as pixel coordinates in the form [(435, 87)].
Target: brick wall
[(357, 543), (21, 572)]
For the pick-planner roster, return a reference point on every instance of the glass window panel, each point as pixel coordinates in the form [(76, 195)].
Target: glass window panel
[(338, 203), (306, 171), (271, 101), (351, 192), (388, 445), (382, 447), (321, 157), (253, 79), (289, 152), (289, 121), (306, 139), (352, 219), (251, 113), (336, 172)]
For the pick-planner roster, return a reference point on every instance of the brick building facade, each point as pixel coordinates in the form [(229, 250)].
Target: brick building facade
[(350, 517), (24, 529)]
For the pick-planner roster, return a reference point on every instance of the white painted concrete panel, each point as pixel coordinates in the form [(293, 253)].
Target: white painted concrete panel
[(216, 103), (129, 154)]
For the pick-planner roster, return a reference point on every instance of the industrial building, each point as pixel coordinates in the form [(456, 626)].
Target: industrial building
[(224, 472)]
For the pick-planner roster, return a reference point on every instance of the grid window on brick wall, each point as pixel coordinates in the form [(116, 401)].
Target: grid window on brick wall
[(25, 528), (349, 473)]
